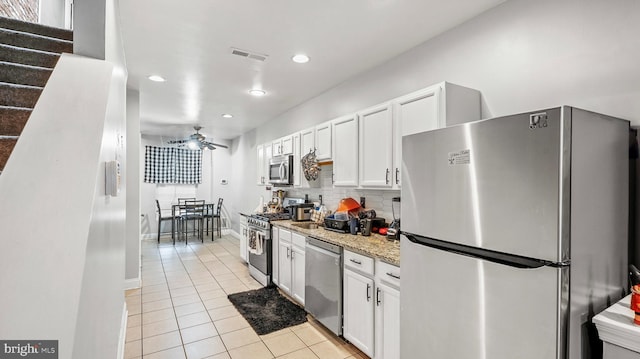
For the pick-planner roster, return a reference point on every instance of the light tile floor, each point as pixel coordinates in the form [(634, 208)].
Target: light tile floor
[(182, 310)]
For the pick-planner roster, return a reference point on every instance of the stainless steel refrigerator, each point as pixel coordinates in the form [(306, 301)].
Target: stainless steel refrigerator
[(514, 235)]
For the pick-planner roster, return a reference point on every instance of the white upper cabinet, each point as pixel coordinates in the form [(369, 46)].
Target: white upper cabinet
[(307, 141), (345, 151), (366, 148), (376, 146), (287, 145), (260, 165), (267, 157), (276, 148), (323, 141), (438, 106), (295, 139), (282, 146)]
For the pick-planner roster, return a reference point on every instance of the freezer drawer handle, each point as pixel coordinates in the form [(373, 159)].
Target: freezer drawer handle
[(355, 261), (511, 260), (393, 275)]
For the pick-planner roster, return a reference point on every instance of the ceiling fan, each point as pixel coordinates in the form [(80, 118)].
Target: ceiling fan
[(197, 141)]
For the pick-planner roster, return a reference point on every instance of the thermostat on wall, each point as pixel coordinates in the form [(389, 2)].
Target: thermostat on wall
[(223, 181), (112, 178)]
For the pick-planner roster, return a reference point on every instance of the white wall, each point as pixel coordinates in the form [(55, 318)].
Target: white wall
[(51, 13), (522, 55), (216, 165), (132, 177), (89, 28), (100, 311), (46, 263)]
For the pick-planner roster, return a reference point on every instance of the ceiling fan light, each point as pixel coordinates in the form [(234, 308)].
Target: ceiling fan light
[(193, 145)]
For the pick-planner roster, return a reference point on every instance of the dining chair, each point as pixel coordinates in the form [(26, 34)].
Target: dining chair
[(193, 212), (183, 200), (164, 218), (213, 215)]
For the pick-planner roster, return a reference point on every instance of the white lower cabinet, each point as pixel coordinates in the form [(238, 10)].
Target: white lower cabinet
[(358, 311), (297, 273), (387, 311), (275, 249), (291, 260), (372, 306), (244, 240), (284, 267), (358, 292)]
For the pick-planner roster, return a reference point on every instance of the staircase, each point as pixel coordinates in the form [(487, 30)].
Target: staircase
[(28, 54)]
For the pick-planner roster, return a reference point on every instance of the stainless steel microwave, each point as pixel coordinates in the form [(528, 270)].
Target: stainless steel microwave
[(281, 170)]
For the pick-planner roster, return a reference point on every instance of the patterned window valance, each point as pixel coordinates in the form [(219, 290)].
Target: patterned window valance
[(172, 165)]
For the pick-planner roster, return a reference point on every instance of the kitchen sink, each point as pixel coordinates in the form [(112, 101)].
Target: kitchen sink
[(305, 225)]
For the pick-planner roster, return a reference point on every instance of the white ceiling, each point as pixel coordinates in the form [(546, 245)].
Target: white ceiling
[(188, 43)]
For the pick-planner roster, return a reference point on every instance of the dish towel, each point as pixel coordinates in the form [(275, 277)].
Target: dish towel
[(256, 243)]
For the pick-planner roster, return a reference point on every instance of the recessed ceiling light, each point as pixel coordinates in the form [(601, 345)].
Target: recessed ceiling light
[(300, 58), (256, 92), (227, 115), (156, 78)]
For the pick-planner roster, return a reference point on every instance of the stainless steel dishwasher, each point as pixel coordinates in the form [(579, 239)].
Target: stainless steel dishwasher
[(323, 283)]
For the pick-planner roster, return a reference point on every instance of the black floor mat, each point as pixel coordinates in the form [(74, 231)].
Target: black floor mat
[(267, 310)]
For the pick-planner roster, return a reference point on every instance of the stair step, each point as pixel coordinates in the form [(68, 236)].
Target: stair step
[(58, 33), (24, 74), (13, 120), (37, 42), (31, 57), (19, 95), (6, 146)]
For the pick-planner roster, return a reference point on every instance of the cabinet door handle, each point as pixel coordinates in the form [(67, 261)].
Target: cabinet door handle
[(397, 175), (355, 261), (288, 254), (291, 254), (386, 176), (368, 295), (333, 180), (378, 297), (393, 275)]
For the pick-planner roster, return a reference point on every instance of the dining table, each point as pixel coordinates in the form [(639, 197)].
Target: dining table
[(177, 209)]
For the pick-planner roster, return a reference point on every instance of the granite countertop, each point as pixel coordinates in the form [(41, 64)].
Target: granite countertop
[(375, 246)]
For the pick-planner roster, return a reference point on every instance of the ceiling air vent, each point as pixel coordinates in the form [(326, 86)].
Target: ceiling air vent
[(248, 54)]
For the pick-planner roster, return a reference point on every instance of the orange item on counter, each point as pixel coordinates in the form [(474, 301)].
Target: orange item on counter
[(635, 303), (347, 205)]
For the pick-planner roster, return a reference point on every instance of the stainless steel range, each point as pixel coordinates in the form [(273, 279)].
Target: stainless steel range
[(260, 243)]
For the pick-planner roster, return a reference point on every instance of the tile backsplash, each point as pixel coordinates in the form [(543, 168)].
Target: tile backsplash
[(379, 200)]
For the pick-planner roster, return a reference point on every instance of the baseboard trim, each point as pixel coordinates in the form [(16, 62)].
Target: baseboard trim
[(123, 331), (132, 283), (234, 233), (150, 236)]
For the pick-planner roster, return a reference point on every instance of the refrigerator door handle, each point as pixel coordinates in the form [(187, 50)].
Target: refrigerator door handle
[(511, 260)]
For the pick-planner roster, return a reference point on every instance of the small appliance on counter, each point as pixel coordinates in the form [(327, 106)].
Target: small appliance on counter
[(336, 225), (301, 212), (393, 233), (298, 209)]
